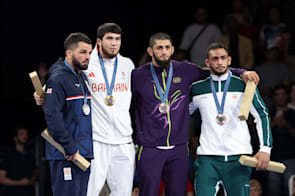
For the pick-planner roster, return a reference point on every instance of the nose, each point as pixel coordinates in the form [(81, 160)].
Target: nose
[(87, 55), (114, 42), (165, 50), (219, 61)]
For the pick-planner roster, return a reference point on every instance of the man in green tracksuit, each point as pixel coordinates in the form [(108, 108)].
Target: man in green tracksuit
[(224, 138)]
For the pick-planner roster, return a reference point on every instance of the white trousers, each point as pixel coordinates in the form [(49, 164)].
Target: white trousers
[(114, 163)]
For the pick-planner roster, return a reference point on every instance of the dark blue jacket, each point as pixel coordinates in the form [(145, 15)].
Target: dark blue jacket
[(63, 113)]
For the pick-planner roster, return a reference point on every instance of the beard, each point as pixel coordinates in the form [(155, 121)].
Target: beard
[(21, 142), (163, 63), (218, 73), (78, 65), (107, 54)]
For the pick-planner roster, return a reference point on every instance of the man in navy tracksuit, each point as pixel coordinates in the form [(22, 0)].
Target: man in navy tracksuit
[(68, 116)]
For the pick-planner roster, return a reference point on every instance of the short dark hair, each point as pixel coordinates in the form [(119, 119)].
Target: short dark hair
[(215, 46), (73, 39), (159, 36), (108, 28)]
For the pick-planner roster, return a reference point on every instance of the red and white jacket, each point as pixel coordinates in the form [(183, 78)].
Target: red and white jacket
[(111, 124)]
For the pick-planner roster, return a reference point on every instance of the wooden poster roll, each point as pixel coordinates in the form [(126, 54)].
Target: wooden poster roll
[(247, 100), (37, 84), (272, 166), (80, 162)]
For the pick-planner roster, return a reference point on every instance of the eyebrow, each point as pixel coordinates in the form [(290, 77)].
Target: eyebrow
[(113, 37), (222, 56), (164, 46)]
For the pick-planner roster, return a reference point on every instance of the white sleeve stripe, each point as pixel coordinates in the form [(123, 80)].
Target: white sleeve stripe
[(259, 128), (267, 121)]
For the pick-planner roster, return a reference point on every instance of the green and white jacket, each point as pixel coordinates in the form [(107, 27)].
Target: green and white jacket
[(232, 138)]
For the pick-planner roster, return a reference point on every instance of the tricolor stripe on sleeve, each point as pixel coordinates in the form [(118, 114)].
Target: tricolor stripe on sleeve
[(77, 97)]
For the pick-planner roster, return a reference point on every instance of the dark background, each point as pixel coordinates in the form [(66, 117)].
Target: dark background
[(34, 31)]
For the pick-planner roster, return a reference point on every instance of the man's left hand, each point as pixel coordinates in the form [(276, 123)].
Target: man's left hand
[(263, 160), (250, 75)]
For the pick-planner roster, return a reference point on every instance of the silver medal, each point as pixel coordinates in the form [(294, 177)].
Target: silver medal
[(86, 109), (164, 108)]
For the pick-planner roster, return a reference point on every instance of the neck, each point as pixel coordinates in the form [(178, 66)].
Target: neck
[(102, 54), (217, 74), (20, 147)]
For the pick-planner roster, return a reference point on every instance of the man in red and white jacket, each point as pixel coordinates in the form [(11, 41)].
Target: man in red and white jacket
[(109, 76)]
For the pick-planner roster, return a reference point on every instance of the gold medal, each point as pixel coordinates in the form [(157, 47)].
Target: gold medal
[(109, 100), (164, 108), (220, 119)]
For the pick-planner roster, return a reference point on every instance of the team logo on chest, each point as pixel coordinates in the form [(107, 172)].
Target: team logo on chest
[(91, 74), (101, 87), (177, 80)]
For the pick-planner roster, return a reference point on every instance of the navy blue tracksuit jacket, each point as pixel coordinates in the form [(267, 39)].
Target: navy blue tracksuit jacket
[(63, 113)]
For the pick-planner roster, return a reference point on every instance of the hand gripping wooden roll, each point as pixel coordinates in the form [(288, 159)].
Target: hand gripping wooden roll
[(272, 166), (247, 100)]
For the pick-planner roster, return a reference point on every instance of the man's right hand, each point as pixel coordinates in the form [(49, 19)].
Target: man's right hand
[(25, 182), (72, 157), (38, 99)]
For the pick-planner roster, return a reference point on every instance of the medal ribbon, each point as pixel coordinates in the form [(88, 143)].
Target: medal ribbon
[(79, 79), (109, 88), (220, 108), (168, 83)]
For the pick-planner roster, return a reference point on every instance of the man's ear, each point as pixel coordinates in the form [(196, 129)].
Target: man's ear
[(150, 51), (98, 41), (172, 48), (229, 60), (69, 53), (207, 63)]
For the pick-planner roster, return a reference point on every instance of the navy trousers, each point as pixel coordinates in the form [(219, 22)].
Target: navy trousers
[(77, 186)]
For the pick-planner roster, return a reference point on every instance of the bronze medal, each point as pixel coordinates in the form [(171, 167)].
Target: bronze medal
[(220, 119)]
